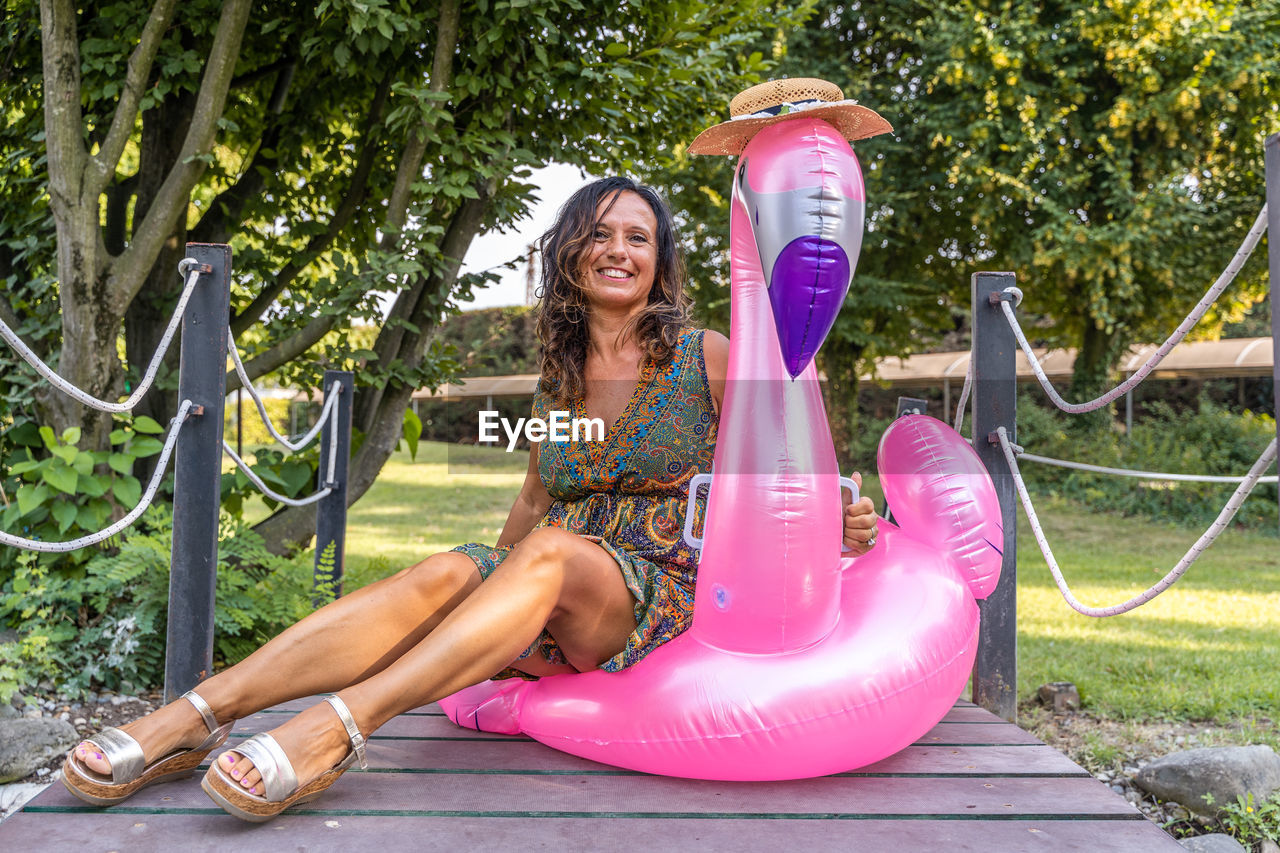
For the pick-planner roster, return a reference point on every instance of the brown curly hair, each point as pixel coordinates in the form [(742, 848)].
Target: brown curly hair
[(563, 309)]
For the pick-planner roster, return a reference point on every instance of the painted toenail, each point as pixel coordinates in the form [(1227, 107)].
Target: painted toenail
[(231, 759), (99, 754), (236, 773)]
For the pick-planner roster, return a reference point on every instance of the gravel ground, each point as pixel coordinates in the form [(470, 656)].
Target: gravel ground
[(1115, 751), (98, 712)]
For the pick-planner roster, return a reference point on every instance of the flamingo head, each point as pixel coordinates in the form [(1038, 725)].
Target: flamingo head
[(801, 187)]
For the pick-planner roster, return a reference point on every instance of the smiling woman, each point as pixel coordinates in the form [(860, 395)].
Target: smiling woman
[(591, 570)]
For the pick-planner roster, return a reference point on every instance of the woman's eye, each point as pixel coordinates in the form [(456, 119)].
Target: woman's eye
[(599, 235), (639, 239)]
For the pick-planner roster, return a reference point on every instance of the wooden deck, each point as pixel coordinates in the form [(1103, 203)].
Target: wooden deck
[(972, 783)]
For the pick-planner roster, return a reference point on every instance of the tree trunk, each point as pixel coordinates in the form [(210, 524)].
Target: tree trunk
[(163, 129), (1091, 375), (840, 364)]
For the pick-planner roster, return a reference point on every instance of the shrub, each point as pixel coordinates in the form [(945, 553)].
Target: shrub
[(1206, 440), (1249, 822), (106, 629), (62, 492)]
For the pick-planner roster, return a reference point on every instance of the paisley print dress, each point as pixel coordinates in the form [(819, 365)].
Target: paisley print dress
[(628, 493)]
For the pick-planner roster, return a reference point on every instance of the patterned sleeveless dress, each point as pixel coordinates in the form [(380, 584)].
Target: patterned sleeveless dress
[(628, 493)]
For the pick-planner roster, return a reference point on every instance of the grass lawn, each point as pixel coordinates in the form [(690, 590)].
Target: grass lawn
[(1205, 650)]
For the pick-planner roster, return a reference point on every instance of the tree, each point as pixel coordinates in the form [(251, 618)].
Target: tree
[(348, 151), (1109, 154)]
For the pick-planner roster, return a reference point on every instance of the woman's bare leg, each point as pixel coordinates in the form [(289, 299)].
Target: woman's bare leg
[(340, 644), (553, 579)]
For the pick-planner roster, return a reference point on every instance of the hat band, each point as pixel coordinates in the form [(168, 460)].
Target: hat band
[(792, 107)]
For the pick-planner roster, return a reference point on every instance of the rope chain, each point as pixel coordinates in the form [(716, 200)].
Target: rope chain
[(1131, 472), (295, 446), (964, 394), (267, 490), (192, 269), (1206, 539), (329, 414), (175, 426), (1210, 296)]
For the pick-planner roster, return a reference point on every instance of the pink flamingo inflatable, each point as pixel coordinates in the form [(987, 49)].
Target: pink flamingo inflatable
[(799, 662)]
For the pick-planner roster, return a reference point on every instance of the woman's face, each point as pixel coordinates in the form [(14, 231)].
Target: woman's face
[(618, 264)]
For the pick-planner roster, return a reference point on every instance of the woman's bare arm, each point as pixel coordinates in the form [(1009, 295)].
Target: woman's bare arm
[(715, 353), (531, 504)]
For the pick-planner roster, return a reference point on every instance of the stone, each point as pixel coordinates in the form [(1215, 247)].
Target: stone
[(1061, 696), (1216, 843), (1225, 772), (1266, 845), (25, 744), (14, 797)]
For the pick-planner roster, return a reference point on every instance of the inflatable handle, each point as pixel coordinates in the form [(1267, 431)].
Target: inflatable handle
[(695, 482), (847, 483)]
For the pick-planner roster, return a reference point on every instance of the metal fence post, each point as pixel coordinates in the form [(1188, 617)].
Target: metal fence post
[(331, 511), (994, 404), (1272, 158), (197, 474)]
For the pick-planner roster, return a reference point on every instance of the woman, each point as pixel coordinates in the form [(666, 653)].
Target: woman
[(590, 570)]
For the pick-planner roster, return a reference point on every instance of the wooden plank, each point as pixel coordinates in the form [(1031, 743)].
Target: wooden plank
[(969, 734), (970, 714), (532, 757), (967, 731), (438, 794), (972, 783), (218, 832)]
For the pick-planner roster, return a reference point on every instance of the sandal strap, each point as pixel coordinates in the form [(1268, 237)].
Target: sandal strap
[(206, 713), (353, 732), (122, 752), (278, 777)]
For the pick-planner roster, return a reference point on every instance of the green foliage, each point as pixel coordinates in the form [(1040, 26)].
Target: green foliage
[(252, 430), (105, 627), (327, 100), (1206, 440), (1066, 142), (1249, 822), (493, 341), (61, 491), (326, 563)]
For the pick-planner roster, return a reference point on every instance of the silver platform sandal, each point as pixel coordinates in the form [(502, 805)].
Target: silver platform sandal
[(279, 781), (129, 774)]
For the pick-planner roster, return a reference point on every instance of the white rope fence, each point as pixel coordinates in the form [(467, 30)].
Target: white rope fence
[(192, 270), (328, 415), (1131, 472), (1010, 298), (1206, 539), (1210, 296), (329, 404), (175, 426), (964, 394)]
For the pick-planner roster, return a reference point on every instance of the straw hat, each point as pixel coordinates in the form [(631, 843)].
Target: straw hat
[(779, 100)]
